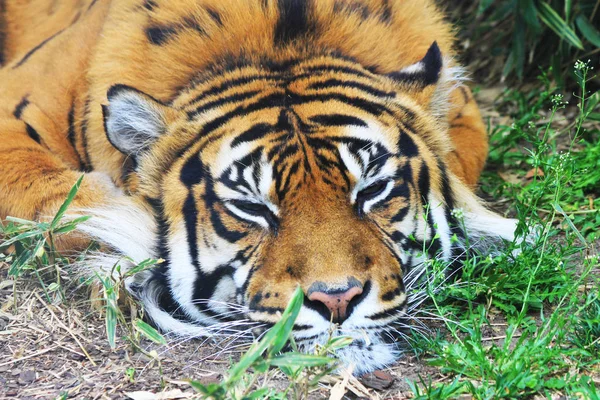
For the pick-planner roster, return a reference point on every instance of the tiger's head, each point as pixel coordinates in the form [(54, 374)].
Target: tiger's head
[(314, 173)]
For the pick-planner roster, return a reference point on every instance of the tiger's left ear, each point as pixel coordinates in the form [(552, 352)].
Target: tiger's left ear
[(423, 73), (133, 120), (429, 80)]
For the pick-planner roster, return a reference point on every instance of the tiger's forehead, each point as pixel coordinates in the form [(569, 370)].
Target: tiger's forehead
[(323, 117), (299, 135)]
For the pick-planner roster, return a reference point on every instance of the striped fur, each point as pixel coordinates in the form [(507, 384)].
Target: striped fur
[(255, 146)]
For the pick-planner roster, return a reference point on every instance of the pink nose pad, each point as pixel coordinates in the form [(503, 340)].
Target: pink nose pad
[(337, 303)]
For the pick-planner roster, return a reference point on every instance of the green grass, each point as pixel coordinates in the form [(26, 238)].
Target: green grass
[(547, 292), (544, 293)]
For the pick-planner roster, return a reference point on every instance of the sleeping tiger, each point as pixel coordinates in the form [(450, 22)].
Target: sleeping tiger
[(255, 147)]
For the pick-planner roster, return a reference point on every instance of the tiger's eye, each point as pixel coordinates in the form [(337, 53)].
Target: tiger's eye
[(251, 208), (372, 191)]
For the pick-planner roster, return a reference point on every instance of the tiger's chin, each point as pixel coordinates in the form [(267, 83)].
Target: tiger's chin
[(368, 351)]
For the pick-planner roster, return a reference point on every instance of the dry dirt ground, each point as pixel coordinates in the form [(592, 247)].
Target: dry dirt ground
[(51, 350)]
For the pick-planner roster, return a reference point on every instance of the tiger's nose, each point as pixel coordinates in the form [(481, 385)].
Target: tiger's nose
[(336, 300)]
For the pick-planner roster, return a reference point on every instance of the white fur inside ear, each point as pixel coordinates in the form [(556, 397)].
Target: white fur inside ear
[(133, 121)]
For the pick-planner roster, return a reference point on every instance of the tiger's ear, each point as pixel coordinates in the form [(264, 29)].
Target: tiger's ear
[(430, 81), (423, 73), (133, 120)]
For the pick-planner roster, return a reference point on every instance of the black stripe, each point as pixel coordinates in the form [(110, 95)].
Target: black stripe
[(283, 185), (21, 106), (215, 16), (32, 133), (204, 289), (338, 120), (337, 83), (211, 200), (256, 132), (190, 216), (159, 35), (36, 48), (434, 245), (150, 5), (224, 86), (386, 15), (162, 247), (222, 101), (367, 106), (87, 161), (362, 10), (424, 184), (392, 312), (191, 23), (192, 171), (407, 146), (92, 4), (293, 21), (289, 151), (72, 137)]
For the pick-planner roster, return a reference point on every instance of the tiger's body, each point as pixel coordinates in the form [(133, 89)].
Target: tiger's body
[(253, 145)]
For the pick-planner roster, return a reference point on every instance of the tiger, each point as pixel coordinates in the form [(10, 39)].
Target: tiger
[(254, 147)]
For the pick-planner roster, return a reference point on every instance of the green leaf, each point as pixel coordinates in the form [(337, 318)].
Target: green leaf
[(71, 226), (212, 389), (339, 342), (558, 25), (287, 321), (558, 208), (150, 262), (111, 313), (257, 394), (20, 221), (67, 202), (568, 8), (588, 30), (591, 103), (594, 116), (300, 360), (17, 265), (149, 332), (530, 14), (18, 238)]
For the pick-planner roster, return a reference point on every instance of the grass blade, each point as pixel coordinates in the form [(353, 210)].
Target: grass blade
[(66, 204), (149, 332), (18, 238), (274, 340), (588, 30), (558, 25), (300, 360)]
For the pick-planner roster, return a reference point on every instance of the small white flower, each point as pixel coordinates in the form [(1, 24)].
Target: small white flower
[(458, 213)]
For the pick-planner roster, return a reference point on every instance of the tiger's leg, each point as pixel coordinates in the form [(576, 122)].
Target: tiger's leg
[(468, 134), (34, 182)]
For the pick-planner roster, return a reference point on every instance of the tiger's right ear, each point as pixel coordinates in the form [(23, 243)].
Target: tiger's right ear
[(133, 120)]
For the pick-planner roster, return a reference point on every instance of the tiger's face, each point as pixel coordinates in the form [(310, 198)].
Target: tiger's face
[(320, 175)]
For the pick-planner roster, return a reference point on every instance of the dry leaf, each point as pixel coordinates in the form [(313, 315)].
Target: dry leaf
[(534, 172)]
